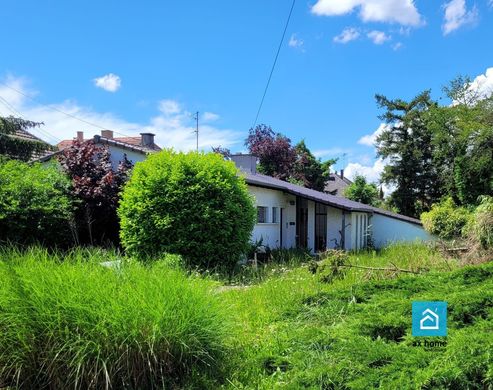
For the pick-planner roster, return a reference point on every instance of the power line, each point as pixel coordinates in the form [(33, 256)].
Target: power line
[(274, 64), (52, 108), (12, 109)]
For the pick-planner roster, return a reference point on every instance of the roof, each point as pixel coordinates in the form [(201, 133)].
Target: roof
[(120, 141), (26, 135), (102, 140), (336, 185), (256, 179)]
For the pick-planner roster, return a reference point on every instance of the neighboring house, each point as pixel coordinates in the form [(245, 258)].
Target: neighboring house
[(26, 135), (135, 148), (336, 184), (289, 216)]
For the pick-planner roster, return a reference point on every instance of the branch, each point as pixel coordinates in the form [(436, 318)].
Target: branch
[(395, 269)]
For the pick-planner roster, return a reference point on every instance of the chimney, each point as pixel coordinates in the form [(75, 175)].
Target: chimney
[(246, 162), (107, 134), (342, 173), (147, 139), (80, 136)]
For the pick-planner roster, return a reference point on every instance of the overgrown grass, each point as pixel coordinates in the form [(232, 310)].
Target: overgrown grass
[(69, 322), (355, 333)]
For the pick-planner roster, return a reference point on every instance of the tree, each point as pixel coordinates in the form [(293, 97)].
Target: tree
[(35, 206), (16, 147), (195, 205), (361, 191), (308, 170), (407, 147), (279, 159), (275, 152), (96, 187)]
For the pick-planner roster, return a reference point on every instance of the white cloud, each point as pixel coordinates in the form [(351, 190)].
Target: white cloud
[(378, 37), (456, 16), (371, 172), (172, 124), (330, 153), (109, 82), (369, 139), (403, 12), (296, 42), (347, 35), (210, 117), (482, 85), (396, 46)]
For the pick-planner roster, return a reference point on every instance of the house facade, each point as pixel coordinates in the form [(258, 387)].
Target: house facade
[(289, 216)]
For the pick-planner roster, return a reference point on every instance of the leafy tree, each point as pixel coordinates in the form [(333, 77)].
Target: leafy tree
[(406, 145), (35, 206), (361, 191), (309, 170), (279, 159), (445, 219), (15, 147), (96, 187), (275, 152), (195, 205)]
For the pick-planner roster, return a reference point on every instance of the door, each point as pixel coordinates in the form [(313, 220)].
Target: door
[(320, 227), (301, 222)]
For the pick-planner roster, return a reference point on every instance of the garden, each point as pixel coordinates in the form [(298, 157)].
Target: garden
[(139, 279)]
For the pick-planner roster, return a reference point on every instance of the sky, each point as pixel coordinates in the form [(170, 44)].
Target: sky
[(149, 66)]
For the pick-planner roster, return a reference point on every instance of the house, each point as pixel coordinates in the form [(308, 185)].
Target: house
[(43, 148), (289, 215), (135, 148), (336, 184)]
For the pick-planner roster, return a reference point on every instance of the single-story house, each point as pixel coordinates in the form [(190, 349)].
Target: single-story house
[(134, 148), (289, 215)]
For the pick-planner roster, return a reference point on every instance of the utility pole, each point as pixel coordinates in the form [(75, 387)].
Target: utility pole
[(196, 117)]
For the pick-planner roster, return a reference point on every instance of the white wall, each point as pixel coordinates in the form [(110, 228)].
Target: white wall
[(334, 225), (387, 230), (117, 156), (271, 232)]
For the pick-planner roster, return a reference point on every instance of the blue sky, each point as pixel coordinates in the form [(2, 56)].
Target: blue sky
[(148, 66)]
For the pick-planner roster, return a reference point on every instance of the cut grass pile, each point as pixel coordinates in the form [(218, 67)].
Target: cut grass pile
[(295, 332), (68, 322)]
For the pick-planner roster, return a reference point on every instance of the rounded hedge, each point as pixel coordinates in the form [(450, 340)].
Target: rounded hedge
[(35, 206), (194, 204)]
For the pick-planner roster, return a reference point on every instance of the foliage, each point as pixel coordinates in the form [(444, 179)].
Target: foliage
[(406, 144), (274, 151), (355, 333), (34, 204), (361, 191), (195, 205), (445, 219), (279, 159), (17, 148), (331, 266), (70, 322), (480, 227), (97, 188)]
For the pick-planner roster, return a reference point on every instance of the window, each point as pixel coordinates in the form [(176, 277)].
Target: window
[(261, 214), (275, 217)]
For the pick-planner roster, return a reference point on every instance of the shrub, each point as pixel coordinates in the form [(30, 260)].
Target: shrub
[(480, 228), (68, 322), (445, 219), (96, 188), (34, 204), (195, 205)]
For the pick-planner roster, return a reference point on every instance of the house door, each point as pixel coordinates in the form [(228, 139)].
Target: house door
[(301, 222), (320, 227)]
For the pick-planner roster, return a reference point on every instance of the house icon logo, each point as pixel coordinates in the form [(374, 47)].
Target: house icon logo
[(429, 318), (431, 321)]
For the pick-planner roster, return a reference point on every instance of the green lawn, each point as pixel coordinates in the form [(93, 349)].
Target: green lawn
[(68, 321)]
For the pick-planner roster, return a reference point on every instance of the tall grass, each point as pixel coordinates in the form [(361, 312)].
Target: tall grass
[(69, 322)]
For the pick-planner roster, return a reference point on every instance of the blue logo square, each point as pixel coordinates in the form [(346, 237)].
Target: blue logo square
[(429, 318)]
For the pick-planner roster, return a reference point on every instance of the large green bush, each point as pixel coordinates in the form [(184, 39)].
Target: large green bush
[(34, 204), (480, 227), (445, 219), (68, 322), (194, 204)]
